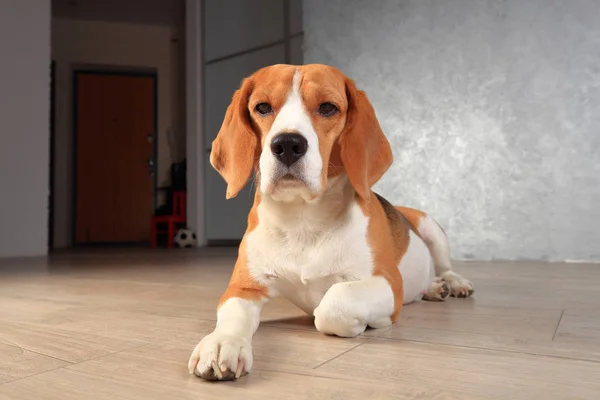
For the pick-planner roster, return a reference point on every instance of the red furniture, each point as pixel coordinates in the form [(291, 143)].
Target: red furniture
[(172, 221)]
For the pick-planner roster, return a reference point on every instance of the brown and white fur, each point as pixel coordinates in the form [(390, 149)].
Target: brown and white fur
[(317, 234)]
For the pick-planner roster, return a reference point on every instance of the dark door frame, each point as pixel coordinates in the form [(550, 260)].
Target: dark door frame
[(85, 71), (51, 162)]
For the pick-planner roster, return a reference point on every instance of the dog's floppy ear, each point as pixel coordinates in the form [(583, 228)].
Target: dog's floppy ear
[(234, 149), (365, 151)]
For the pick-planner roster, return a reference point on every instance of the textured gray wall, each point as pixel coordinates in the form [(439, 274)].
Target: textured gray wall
[(493, 111)]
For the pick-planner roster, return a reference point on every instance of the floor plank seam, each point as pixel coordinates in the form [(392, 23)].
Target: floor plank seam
[(271, 325), (34, 374), (493, 350), (307, 374), (39, 353), (344, 352), (49, 356), (288, 328), (69, 367), (158, 314), (558, 324), (70, 364), (139, 345), (452, 331), (107, 355)]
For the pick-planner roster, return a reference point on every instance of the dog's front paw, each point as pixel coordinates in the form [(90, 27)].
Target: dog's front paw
[(459, 286), (221, 357), (337, 314)]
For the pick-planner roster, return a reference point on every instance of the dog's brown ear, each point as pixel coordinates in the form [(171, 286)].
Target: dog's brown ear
[(234, 150), (365, 151)]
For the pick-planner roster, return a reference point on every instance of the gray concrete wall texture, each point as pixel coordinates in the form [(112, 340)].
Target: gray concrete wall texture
[(493, 111)]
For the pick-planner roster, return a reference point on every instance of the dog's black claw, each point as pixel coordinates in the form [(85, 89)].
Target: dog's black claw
[(463, 295)]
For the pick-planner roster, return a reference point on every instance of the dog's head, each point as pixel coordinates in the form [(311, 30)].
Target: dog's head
[(298, 126)]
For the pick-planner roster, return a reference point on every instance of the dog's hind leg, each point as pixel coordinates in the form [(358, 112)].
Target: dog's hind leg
[(437, 242)]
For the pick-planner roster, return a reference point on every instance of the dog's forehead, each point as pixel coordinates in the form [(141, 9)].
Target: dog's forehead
[(321, 84), (273, 79), (312, 80), (322, 75)]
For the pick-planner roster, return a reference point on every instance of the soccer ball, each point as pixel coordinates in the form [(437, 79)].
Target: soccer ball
[(185, 238)]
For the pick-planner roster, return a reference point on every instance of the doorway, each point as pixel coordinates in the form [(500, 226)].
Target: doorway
[(114, 156)]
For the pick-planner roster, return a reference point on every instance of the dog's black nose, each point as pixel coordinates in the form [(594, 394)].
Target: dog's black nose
[(289, 147)]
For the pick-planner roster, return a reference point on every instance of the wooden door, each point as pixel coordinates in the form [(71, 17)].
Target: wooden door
[(114, 141)]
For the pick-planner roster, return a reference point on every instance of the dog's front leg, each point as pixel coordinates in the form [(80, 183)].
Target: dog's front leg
[(226, 353), (349, 307)]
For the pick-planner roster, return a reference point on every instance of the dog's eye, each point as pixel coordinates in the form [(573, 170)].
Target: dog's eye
[(264, 108), (327, 109)]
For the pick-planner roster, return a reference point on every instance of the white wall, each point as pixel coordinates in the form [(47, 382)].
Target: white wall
[(76, 43), (493, 111), (24, 126)]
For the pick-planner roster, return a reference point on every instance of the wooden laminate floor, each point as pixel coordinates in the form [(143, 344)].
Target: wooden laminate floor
[(121, 325)]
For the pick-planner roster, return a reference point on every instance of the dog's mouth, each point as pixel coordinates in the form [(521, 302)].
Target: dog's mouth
[(289, 180), (289, 177), (288, 185)]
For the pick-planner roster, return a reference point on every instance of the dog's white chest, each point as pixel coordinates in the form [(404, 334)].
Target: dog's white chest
[(301, 263)]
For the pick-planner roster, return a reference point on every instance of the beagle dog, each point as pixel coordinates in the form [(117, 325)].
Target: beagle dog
[(317, 234)]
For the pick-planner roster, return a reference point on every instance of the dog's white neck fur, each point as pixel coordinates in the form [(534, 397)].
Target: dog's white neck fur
[(301, 248)]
